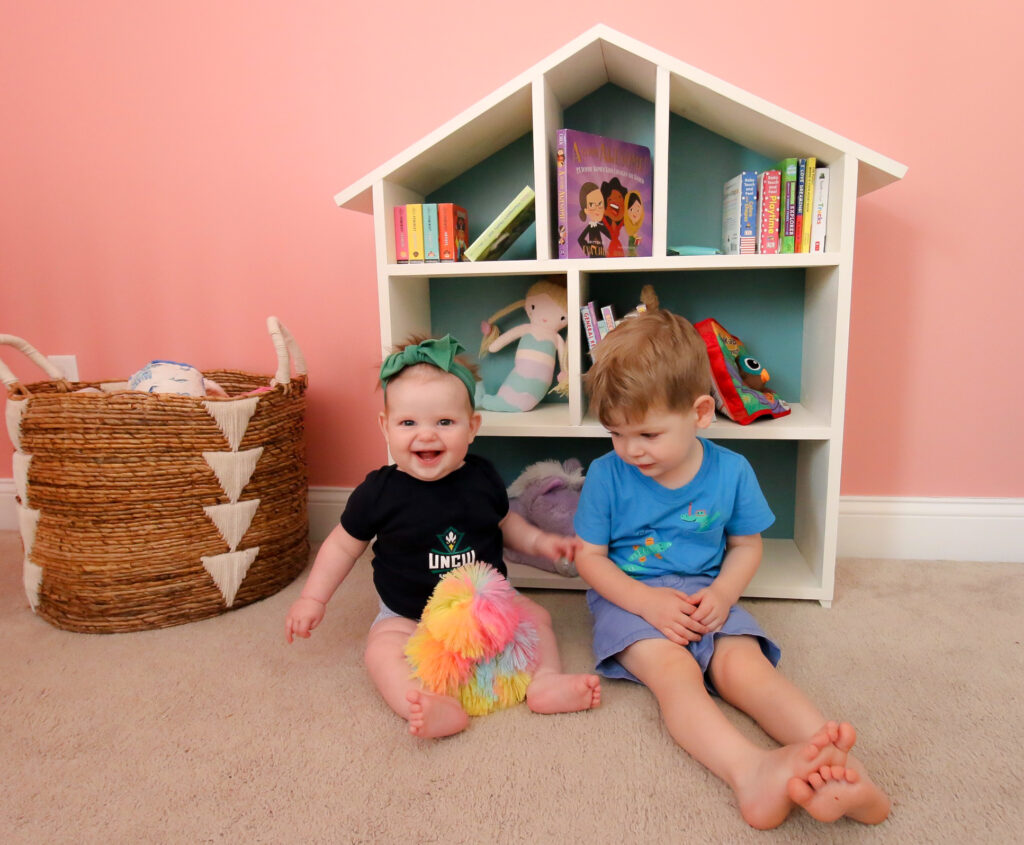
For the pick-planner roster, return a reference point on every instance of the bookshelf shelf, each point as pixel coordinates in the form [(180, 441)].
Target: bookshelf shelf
[(792, 310)]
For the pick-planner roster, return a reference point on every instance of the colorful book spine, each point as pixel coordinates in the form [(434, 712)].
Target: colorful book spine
[(769, 186), (819, 220), (805, 229), (604, 197), (401, 236), (739, 214), (414, 226), (595, 320), (452, 230), (514, 219), (589, 325), (798, 227), (431, 243), (608, 313), (787, 221)]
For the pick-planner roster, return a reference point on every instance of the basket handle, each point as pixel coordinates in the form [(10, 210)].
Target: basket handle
[(14, 386), (288, 353)]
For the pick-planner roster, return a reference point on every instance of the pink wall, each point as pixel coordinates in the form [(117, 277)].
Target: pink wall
[(167, 173)]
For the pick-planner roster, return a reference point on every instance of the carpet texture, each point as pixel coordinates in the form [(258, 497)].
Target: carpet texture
[(218, 730)]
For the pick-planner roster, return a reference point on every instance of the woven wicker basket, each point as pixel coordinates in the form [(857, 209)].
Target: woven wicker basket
[(143, 510)]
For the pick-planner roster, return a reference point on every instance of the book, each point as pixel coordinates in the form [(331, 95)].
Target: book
[(589, 325), (787, 210), (798, 212), (452, 230), (414, 226), (819, 216), (804, 245), (401, 236), (514, 219), (608, 315), (431, 244), (739, 214), (604, 196), (769, 183)]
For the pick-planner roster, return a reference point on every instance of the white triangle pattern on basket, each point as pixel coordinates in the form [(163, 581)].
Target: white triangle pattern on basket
[(233, 469), (13, 413), (228, 570), (32, 577), (20, 467), (28, 519), (233, 520), (232, 417)]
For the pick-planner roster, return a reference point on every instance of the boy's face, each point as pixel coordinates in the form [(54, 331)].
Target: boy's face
[(663, 445), (428, 423)]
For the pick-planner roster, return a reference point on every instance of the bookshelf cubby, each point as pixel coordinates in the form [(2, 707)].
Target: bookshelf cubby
[(792, 310)]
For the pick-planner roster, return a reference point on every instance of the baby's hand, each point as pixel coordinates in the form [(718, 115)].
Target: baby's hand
[(305, 614), (671, 612), (713, 606), (555, 547)]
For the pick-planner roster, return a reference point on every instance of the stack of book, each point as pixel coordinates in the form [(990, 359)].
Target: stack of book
[(783, 210), (430, 231)]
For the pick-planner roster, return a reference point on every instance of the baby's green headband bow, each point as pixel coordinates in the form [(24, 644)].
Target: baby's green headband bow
[(439, 352)]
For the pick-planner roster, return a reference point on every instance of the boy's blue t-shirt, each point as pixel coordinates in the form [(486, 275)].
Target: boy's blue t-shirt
[(650, 530)]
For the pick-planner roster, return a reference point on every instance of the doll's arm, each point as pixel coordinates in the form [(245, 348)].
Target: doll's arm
[(742, 558), (505, 338), (333, 563), (562, 349)]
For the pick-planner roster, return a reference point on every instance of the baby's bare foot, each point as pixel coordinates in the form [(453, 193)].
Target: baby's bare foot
[(554, 693), (432, 715), (762, 792), (836, 791), (841, 736)]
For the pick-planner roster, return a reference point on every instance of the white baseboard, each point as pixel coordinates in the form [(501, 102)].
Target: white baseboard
[(989, 530), (869, 526)]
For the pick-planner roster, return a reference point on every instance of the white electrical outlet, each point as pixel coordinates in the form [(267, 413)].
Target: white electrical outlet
[(67, 364)]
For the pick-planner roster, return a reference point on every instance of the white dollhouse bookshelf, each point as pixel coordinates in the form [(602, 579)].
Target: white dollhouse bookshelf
[(683, 114)]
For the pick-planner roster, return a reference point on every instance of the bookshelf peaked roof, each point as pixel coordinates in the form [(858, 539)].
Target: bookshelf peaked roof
[(599, 56)]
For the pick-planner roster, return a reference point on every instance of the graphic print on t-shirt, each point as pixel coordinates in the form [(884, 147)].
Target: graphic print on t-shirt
[(451, 555), (700, 518)]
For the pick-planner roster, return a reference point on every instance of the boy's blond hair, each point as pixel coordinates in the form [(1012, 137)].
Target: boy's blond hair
[(656, 359)]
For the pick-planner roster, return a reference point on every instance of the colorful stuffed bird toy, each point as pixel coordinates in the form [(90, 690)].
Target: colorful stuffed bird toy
[(475, 642), (739, 380)]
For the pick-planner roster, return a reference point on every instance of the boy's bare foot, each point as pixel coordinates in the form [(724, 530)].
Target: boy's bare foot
[(836, 791), (762, 791), (551, 692), (841, 735), (432, 715)]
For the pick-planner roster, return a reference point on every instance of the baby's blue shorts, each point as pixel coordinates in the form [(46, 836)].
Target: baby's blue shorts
[(616, 629)]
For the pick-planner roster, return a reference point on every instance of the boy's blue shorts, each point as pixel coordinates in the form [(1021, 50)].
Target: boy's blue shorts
[(616, 629)]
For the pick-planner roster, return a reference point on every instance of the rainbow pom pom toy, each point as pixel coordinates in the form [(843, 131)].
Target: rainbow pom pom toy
[(474, 642)]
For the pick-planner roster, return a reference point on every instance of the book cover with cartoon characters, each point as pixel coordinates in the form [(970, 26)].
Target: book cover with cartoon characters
[(604, 198)]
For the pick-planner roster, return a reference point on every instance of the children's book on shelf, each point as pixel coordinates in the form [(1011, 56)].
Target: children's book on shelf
[(452, 230), (798, 211), (769, 183), (787, 223), (414, 226), (401, 236), (819, 217), (604, 196), (431, 244), (804, 244), (739, 214), (588, 314), (504, 229), (608, 318)]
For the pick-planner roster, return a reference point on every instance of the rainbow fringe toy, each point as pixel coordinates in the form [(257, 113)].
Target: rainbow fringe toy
[(474, 641)]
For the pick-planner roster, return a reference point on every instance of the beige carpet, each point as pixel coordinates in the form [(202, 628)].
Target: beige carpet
[(219, 731)]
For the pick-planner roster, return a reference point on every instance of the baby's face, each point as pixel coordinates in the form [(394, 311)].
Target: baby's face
[(428, 422)]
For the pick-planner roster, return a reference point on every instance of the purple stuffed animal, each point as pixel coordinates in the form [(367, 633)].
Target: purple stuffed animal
[(546, 495)]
